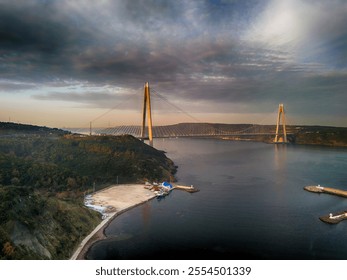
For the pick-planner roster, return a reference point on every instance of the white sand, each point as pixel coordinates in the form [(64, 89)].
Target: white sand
[(121, 197), (116, 199)]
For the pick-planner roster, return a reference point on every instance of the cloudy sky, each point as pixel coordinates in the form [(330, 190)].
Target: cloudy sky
[(64, 63)]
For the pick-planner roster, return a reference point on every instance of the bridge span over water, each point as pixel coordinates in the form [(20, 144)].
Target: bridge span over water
[(203, 130), (194, 129)]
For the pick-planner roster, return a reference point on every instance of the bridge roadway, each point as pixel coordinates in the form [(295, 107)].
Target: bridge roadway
[(189, 130), (210, 135)]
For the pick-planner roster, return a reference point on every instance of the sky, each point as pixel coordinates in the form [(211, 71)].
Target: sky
[(66, 63)]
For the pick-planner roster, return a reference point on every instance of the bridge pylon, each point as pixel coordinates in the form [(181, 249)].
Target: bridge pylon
[(147, 111), (281, 115)]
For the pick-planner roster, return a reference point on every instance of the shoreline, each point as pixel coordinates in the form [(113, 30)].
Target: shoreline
[(118, 199)]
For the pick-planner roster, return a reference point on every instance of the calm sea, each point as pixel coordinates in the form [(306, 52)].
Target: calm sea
[(251, 205)]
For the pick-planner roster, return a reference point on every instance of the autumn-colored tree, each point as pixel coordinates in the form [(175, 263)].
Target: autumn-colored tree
[(8, 249)]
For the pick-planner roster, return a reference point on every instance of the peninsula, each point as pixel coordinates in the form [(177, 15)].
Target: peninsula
[(44, 176)]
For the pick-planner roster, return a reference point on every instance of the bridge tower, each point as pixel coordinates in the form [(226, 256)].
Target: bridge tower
[(147, 111), (281, 114)]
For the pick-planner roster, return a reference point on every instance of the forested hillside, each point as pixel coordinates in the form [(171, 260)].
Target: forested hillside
[(44, 174)]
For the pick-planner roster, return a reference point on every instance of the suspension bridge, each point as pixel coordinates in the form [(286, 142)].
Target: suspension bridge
[(278, 133)]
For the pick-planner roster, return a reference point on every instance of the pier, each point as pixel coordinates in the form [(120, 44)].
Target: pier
[(190, 189), (331, 218), (320, 189), (165, 188)]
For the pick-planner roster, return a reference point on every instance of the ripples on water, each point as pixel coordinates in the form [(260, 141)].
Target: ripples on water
[(251, 206)]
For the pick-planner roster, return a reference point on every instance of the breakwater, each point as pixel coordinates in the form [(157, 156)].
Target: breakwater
[(320, 189), (332, 218)]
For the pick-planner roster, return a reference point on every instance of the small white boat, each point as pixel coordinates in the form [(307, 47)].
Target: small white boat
[(161, 193)]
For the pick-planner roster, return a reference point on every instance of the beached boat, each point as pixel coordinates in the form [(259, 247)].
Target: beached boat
[(161, 193), (164, 189)]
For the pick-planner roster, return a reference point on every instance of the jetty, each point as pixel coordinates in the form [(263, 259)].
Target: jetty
[(190, 188), (331, 218), (334, 218), (321, 189), (163, 189)]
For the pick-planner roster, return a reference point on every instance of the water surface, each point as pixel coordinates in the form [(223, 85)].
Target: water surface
[(251, 205)]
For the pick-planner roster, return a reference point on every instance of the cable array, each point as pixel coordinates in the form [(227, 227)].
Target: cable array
[(196, 128)]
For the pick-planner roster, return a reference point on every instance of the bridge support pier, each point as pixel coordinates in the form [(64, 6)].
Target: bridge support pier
[(147, 110), (281, 113)]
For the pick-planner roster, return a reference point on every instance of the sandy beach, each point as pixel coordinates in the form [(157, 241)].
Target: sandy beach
[(115, 199)]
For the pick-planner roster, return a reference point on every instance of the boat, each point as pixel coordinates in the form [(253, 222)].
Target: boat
[(161, 193)]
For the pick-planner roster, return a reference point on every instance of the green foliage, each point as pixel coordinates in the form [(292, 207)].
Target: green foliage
[(321, 135), (75, 162), (43, 176), (60, 224)]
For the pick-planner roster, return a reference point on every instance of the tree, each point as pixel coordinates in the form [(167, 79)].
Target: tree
[(71, 182), (8, 249), (15, 181)]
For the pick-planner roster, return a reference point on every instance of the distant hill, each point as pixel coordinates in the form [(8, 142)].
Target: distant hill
[(44, 174), (320, 135), (298, 134), (10, 128)]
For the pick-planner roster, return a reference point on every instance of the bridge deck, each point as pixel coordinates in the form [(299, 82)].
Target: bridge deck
[(193, 130)]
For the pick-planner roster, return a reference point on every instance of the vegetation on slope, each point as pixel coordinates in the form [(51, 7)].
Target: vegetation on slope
[(321, 135), (302, 135), (297, 134), (44, 174)]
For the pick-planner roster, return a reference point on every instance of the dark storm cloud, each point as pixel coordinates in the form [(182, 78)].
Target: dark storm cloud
[(37, 41), (219, 52), (30, 30), (116, 41), (44, 37)]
